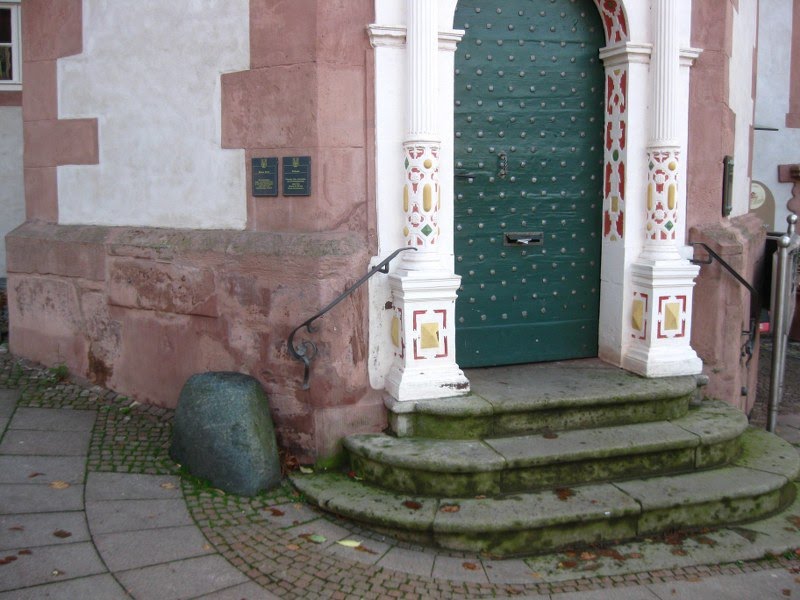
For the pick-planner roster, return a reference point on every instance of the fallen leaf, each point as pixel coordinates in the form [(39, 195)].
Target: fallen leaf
[(567, 564), (24, 552), (206, 546), (362, 548), (218, 491), (317, 538), (588, 555), (293, 547), (60, 533), (306, 470), (634, 555), (168, 485), (786, 592), (276, 512), (535, 575), (450, 508), (16, 528), (679, 552), (470, 566), (8, 559), (413, 505), (353, 475), (57, 572), (564, 493), (59, 485), (706, 540), (35, 474), (550, 435), (480, 497), (611, 553), (349, 543)]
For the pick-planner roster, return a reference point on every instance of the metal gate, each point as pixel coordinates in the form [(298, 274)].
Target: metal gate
[(529, 105)]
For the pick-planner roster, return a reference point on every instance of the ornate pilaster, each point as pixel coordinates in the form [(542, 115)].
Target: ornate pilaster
[(424, 285), (662, 281)]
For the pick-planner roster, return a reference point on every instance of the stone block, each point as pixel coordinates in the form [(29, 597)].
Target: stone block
[(223, 432)]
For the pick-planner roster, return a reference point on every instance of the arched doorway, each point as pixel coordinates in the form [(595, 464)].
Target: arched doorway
[(529, 124)]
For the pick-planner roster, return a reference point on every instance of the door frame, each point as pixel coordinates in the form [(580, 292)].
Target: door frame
[(626, 60)]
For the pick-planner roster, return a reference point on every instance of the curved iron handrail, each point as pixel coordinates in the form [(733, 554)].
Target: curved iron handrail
[(307, 350)]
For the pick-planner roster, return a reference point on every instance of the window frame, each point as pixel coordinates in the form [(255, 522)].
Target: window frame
[(15, 84)]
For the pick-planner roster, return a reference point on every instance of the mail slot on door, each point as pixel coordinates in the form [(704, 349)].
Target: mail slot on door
[(527, 238)]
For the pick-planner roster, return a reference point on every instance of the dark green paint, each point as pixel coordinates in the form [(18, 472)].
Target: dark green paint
[(528, 158)]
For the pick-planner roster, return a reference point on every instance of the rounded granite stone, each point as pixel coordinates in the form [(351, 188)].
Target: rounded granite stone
[(223, 433)]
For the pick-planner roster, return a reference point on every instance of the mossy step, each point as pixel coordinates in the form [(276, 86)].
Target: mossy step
[(758, 483), (542, 397), (706, 436)]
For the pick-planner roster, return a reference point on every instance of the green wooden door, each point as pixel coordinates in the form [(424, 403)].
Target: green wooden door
[(528, 180)]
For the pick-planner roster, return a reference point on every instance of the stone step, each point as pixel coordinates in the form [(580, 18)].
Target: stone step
[(757, 483), (706, 436), (543, 397)]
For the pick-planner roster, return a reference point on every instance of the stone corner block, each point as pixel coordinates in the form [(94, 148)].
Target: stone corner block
[(223, 432)]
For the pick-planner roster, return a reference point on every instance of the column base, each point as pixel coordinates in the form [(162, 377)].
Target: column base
[(439, 381), (662, 361)]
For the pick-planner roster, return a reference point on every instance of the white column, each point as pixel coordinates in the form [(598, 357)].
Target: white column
[(662, 281), (424, 285)]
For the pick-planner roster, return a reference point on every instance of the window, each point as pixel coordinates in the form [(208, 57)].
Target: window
[(10, 48)]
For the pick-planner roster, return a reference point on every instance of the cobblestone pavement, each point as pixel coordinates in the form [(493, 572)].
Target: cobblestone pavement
[(135, 528)]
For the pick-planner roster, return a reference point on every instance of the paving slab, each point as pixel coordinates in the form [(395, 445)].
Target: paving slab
[(8, 402), (112, 516), (131, 486), (369, 552), (49, 564), (289, 514), (512, 570), (181, 579), (133, 549), (414, 562), (53, 419), (330, 531), (777, 583), (633, 592), (47, 443), (101, 587), (28, 498), (459, 569), (48, 529), (244, 591), (42, 469)]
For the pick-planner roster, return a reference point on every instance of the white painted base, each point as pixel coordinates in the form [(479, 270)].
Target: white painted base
[(662, 361), (426, 383)]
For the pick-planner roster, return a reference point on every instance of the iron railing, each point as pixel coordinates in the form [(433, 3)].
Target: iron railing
[(306, 351), (784, 287)]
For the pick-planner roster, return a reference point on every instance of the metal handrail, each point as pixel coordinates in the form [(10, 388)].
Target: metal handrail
[(755, 297), (307, 350), (784, 288)]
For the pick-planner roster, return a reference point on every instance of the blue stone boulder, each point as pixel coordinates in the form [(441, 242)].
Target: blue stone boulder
[(223, 432)]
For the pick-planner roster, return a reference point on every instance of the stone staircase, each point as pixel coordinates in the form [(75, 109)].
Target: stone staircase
[(545, 456)]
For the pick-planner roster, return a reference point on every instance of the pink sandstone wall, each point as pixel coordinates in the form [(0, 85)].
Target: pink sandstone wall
[(721, 307), (141, 309)]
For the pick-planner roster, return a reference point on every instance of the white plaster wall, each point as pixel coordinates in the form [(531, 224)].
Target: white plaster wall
[(150, 73), (745, 23), (12, 190), (773, 148)]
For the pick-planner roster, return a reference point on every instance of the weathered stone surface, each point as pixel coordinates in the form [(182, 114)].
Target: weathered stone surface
[(223, 432)]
